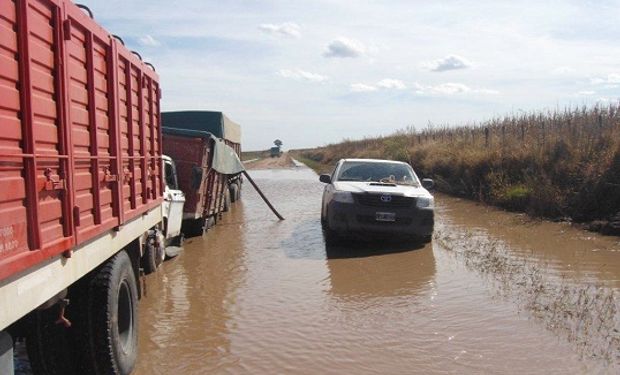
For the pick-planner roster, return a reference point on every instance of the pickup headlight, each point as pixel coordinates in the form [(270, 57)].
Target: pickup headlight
[(343, 197), (425, 202)]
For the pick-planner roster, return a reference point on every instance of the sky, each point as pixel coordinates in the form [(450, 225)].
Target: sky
[(317, 72)]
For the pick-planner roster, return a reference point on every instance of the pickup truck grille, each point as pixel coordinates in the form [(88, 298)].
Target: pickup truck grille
[(374, 200)]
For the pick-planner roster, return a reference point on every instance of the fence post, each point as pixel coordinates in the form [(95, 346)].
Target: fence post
[(486, 137)]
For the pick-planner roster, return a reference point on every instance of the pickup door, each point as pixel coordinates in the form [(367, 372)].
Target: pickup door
[(174, 199)]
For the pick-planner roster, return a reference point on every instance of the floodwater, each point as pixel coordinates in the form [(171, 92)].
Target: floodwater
[(259, 296)]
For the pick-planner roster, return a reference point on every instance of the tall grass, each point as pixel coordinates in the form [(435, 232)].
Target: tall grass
[(558, 164)]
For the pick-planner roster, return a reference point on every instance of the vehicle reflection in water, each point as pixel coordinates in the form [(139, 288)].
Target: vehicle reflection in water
[(188, 305), (375, 270)]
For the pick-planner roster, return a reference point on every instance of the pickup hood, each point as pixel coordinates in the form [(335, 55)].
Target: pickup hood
[(374, 188)]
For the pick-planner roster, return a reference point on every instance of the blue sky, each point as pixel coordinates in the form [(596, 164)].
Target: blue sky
[(316, 72)]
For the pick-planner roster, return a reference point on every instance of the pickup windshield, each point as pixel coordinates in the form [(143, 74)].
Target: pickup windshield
[(382, 172)]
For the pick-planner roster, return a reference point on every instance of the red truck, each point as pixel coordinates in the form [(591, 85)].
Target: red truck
[(198, 141), (81, 189)]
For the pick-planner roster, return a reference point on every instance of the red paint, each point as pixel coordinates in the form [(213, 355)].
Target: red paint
[(80, 146), (202, 196)]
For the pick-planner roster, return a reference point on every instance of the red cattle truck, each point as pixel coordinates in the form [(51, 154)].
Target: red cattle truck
[(207, 168), (205, 146), (81, 189), (217, 124)]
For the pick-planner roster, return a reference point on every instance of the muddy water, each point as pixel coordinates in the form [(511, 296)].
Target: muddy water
[(265, 297)]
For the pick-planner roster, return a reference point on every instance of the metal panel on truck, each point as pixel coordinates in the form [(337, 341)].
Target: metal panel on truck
[(80, 147)]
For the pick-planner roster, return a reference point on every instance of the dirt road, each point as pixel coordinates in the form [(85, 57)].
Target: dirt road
[(284, 161), (493, 293)]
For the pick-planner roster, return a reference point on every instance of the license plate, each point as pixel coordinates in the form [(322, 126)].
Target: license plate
[(385, 216)]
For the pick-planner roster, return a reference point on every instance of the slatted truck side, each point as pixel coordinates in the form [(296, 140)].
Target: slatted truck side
[(190, 139), (81, 188)]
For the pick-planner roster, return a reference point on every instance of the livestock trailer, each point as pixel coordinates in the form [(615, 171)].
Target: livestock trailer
[(216, 123), (208, 192), (81, 188), (218, 126)]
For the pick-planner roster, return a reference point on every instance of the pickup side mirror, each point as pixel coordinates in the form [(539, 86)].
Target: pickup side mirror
[(325, 178), (428, 183)]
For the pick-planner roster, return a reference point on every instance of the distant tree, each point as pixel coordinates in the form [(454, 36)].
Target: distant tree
[(277, 142)]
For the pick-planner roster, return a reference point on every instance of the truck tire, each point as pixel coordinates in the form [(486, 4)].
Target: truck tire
[(110, 326), (226, 200), (234, 192), (49, 345), (154, 252), (193, 228)]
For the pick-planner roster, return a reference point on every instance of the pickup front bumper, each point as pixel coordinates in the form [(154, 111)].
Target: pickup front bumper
[(357, 219)]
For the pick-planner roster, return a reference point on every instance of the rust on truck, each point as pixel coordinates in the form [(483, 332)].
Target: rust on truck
[(80, 147)]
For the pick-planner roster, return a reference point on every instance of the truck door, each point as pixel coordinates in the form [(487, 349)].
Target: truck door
[(174, 199)]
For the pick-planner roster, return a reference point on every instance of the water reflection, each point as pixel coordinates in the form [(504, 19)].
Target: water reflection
[(261, 296), (380, 270), (187, 310), (565, 251)]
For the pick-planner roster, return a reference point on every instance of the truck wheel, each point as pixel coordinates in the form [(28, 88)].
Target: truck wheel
[(152, 257), (110, 337), (49, 345), (211, 222), (226, 200), (193, 228), (234, 192)]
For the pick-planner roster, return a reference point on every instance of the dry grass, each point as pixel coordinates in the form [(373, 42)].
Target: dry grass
[(563, 164)]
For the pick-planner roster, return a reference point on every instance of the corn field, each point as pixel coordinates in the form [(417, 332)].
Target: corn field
[(559, 164)]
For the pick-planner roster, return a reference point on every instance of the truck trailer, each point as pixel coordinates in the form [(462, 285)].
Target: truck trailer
[(81, 189), (203, 162), (191, 139)]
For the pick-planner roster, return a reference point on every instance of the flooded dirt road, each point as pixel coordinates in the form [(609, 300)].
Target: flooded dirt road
[(260, 296)]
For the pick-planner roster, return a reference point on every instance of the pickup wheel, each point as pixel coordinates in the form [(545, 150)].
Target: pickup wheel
[(110, 334), (331, 237), (323, 219)]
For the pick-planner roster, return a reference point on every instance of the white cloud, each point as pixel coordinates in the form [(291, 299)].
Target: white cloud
[(288, 29), (384, 84), (562, 70), (299, 75), (148, 41), (362, 87), (450, 62), (344, 47), (447, 89), (390, 83), (611, 79), (586, 93)]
